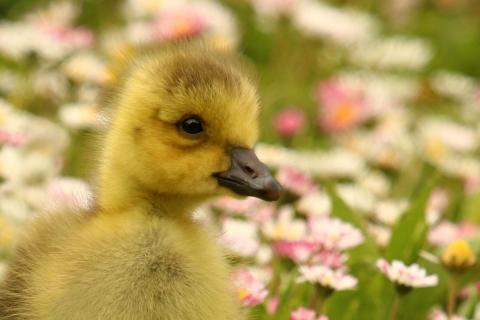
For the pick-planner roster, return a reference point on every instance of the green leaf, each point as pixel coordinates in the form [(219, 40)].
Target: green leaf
[(285, 303), (258, 312), (409, 234), (418, 304), (367, 251), (467, 307), (470, 207), (369, 301), (358, 303)]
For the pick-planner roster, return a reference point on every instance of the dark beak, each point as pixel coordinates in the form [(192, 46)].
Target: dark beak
[(248, 176)]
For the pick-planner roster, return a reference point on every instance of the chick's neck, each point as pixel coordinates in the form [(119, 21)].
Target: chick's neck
[(117, 192)]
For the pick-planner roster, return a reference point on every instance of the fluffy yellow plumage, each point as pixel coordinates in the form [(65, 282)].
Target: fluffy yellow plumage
[(184, 124)]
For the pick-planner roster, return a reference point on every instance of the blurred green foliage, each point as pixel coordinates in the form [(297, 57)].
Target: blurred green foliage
[(290, 65)]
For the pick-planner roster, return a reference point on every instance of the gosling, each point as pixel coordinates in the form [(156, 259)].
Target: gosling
[(183, 130)]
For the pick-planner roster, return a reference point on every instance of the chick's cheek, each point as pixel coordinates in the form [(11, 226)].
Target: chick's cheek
[(223, 162)]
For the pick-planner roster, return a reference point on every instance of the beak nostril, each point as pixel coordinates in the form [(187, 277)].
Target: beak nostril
[(248, 170)]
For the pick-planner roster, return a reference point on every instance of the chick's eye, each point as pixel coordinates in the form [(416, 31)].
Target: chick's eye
[(191, 126)]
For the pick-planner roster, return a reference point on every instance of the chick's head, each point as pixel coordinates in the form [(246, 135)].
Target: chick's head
[(186, 125)]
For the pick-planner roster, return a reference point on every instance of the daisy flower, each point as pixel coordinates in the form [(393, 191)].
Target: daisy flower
[(412, 276), (251, 290), (438, 314), (299, 251), (285, 227), (295, 180), (240, 236), (327, 278), (314, 204), (289, 122), (333, 234), (305, 314), (458, 256), (341, 108)]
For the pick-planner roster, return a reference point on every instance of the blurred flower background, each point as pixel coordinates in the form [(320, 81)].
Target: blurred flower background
[(371, 121)]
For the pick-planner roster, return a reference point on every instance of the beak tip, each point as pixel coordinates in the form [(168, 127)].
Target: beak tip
[(272, 191), (248, 176)]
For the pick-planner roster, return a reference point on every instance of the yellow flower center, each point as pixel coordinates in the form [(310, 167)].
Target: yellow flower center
[(279, 232), (435, 148), (183, 26), (345, 114), (458, 255), (242, 293)]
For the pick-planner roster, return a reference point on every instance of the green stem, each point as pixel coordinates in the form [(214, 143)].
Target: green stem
[(319, 299), (321, 307), (452, 296), (317, 303), (276, 281), (315, 300), (395, 307), (287, 141)]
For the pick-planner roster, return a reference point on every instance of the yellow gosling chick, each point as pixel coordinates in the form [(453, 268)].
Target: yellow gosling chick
[(184, 126)]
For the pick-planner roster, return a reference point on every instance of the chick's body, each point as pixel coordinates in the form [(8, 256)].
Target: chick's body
[(182, 131), (129, 266)]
